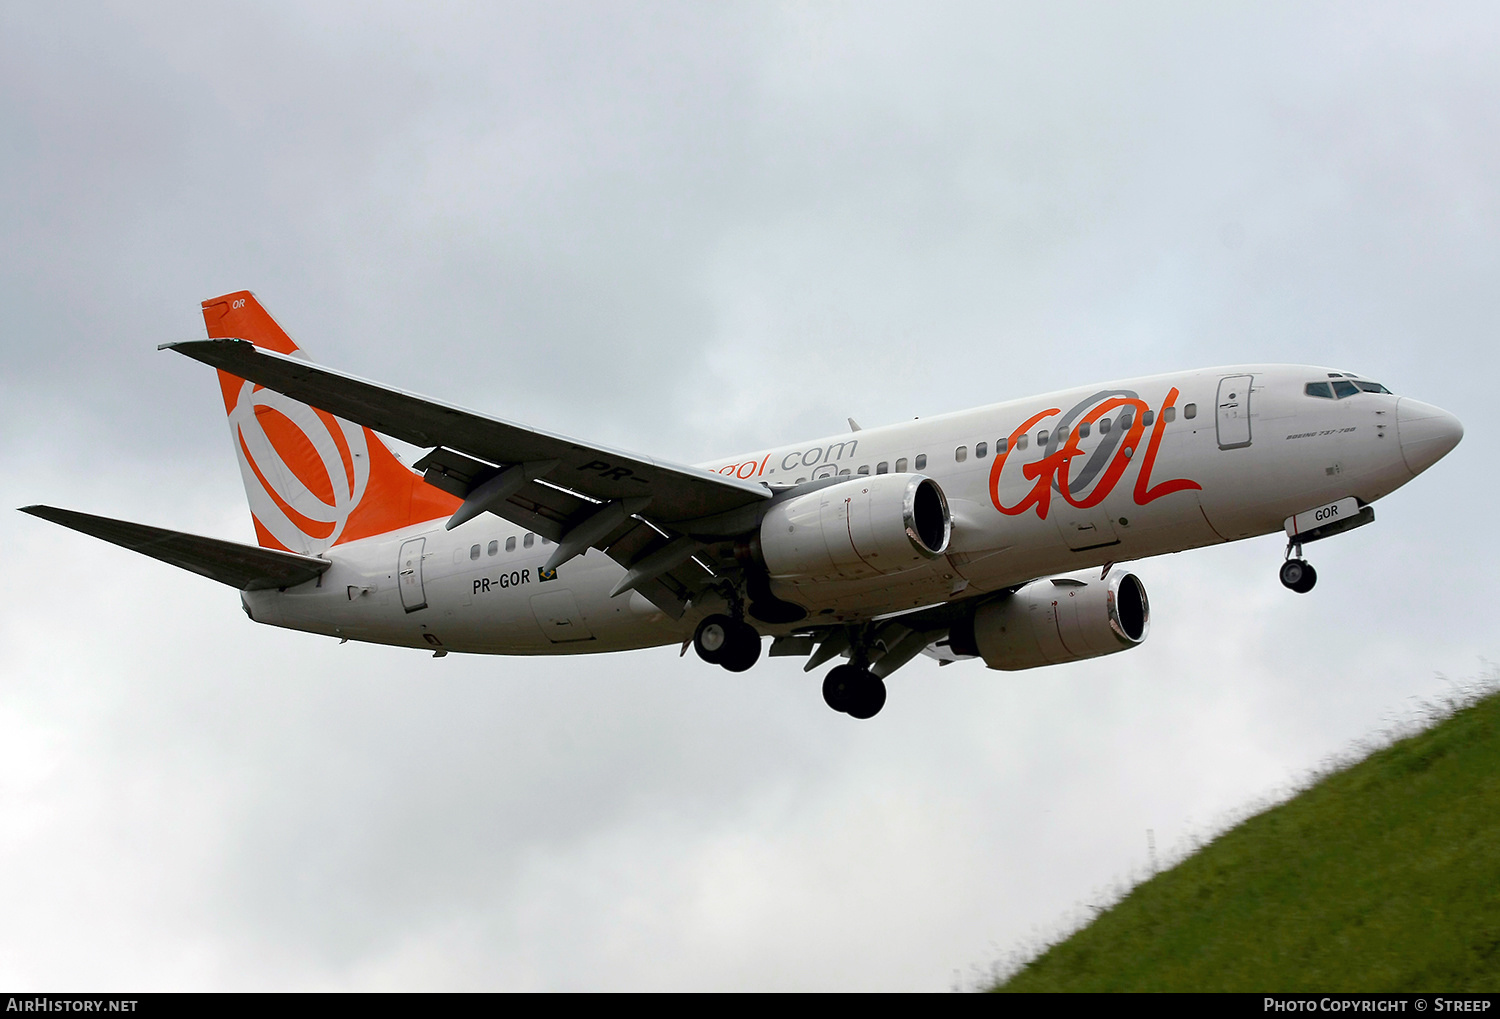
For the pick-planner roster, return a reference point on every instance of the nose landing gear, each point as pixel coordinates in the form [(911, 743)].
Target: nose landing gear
[(1297, 574)]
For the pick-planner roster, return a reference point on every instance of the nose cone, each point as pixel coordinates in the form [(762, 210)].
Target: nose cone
[(1427, 433)]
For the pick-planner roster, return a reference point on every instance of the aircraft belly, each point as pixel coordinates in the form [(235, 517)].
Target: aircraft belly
[(507, 608), (480, 606)]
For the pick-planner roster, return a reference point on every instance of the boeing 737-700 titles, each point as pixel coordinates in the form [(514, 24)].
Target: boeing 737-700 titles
[(991, 533)]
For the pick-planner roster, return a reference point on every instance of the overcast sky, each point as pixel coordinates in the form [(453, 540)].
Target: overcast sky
[(690, 230)]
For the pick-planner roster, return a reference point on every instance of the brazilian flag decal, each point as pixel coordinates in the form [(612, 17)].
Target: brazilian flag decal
[(544, 574)]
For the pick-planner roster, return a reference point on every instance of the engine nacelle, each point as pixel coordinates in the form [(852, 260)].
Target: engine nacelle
[(1062, 619), (868, 526)]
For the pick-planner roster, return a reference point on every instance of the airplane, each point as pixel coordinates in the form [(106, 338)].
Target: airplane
[(992, 533)]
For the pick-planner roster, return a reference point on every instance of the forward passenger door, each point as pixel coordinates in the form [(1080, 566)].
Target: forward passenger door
[(1234, 411)]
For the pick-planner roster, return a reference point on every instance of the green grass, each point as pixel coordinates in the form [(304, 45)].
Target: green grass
[(1384, 876)]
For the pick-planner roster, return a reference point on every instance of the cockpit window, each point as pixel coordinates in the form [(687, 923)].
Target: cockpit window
[(1345, 384)]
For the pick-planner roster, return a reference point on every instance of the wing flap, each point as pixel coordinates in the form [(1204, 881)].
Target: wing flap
[(244, 567), (668, 584)]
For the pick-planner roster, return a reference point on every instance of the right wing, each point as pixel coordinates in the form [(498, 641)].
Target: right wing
[(246, 567)]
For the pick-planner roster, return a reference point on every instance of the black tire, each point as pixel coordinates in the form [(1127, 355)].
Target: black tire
[(869, 697), (713, 638), (839, 686), (1292, 573), (1309, 578), (743, 649)]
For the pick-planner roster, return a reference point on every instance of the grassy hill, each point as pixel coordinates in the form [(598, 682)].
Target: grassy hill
[(1384, 876)]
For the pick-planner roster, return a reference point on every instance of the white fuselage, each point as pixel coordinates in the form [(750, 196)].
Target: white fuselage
[(1227, 465)]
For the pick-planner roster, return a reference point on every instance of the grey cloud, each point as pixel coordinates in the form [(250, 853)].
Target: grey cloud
[(691, 231)]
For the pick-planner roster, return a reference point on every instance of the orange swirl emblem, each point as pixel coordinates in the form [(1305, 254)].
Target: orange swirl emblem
[(304, 469)]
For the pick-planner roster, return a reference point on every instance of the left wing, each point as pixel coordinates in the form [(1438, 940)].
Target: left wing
[(246, 567), (649, 515)]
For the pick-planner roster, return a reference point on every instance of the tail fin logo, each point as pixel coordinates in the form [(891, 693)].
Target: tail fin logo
[(305, 470)]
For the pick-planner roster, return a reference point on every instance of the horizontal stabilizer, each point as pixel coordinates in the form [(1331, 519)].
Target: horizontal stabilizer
[(245, 567)]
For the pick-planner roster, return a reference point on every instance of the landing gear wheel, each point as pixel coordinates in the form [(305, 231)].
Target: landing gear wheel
[(868, 699), (854, 691), (1298, 575), (839, 684), (1309, 578), (743, 649), (1291, 573), (713, 638)]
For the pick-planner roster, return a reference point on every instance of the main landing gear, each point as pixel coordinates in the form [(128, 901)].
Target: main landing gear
[(857, 692), (731, 643), (1297, 574)]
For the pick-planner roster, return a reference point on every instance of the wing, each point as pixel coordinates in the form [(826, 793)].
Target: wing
[(246, 567), (649, 515)]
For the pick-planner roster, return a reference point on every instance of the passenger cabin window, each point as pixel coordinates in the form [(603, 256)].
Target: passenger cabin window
[(1001, 445), (863, 469), (883, 467), (1190, 411), (844, 473), (1083, 430), (529, 540), (961, 454), (494, 548), (1104, 426), (474, 552), (1169, 415), (1126, 421), (1148, 417), (1041, 437), (981, 449), (921, 461), (1319, 389), (901, 465), (510, 543), (1021, 442)]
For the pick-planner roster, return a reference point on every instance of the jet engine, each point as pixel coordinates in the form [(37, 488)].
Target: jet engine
[(869, 526), (1062, 619)]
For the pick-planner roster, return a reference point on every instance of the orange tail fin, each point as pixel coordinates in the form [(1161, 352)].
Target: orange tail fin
[(313, 480)]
